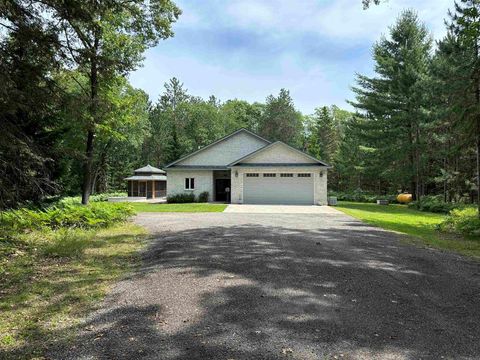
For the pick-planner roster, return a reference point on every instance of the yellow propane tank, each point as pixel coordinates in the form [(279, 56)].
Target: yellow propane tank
[(404, 198)]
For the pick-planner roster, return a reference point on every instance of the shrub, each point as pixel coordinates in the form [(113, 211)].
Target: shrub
[(434, 204), (72, 200), (203, 197), (181, 198), (462, 221), (361, 196), (94, 215)]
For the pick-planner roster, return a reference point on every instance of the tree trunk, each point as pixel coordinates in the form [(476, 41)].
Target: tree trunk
[(477, 135), (87, 170), (88, 166), (478, 167), (417, 164), (445, 180)]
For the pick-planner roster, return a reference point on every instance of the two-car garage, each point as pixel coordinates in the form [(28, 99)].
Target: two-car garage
[(278, 188)]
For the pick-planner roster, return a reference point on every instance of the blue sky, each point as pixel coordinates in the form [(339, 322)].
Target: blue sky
[(249, 49)]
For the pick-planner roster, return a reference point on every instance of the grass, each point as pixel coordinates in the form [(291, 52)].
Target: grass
[(50, 279), (417, 224), (190, 207)]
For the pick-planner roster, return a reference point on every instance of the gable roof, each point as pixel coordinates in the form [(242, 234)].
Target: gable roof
[(236, 162), (216, 142), (150, 169)]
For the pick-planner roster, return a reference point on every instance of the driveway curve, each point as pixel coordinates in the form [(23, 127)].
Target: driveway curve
[(296, 286)]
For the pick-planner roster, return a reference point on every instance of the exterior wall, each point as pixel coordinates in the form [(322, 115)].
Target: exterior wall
[(279, 153), (226, 151), (320, 183), (203, 182)]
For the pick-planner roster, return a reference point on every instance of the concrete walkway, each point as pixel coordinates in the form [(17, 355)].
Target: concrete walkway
[(280, 209)]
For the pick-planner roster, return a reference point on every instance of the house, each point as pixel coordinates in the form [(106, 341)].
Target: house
[(149, 182), (244, 168)]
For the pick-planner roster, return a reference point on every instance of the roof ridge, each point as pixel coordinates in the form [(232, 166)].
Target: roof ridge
[(216, 142), (275, 143)]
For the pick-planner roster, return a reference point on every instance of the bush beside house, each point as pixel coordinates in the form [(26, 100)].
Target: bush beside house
[(188, 198)]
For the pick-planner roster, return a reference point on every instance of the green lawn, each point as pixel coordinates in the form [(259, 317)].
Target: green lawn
[(417, 224), (193, 207), (49, 280)]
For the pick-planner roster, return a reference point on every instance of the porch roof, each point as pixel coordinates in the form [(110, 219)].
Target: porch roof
[(147, 177)]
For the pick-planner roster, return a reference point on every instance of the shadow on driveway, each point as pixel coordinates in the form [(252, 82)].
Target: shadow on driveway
[(251, 288)]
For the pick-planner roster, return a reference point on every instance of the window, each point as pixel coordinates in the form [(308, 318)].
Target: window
[(304, 175), (252, 175), (189, 183), (269, 175), (286, 175)]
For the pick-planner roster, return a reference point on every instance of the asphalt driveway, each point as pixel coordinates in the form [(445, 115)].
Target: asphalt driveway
[(274, 286)]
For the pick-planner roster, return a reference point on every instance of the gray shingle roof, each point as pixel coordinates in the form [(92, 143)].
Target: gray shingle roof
[(147, 177), (150, 169)]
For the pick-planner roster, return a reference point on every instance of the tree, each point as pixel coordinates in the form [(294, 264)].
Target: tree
[(238, 114), (103, 40), (163, 145), (280, 120), (396, 103), (28, 106), (464, 26), (322, 139), (367, 3)]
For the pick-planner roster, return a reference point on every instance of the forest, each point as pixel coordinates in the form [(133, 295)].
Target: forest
[(73, 124), (87, 273)]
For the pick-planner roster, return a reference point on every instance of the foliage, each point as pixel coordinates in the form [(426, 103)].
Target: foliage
[(361, 196), (181, 198), (95, 215), (50, 279), (395, 102), (28, 117), (419, 226), (203, 197), (322, 134), (280, 121), (462, 221), (434, 203)]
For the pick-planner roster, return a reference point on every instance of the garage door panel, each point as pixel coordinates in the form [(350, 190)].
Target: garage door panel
[(278, 190)]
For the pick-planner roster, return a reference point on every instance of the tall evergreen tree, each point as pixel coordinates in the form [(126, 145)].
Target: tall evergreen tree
[(323, 134), (280, 120), (28, 106), (464, 25), (395, 101)]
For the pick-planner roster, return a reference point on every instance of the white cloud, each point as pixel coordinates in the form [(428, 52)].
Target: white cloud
[(309, 88), (249, 49), (340, 19)]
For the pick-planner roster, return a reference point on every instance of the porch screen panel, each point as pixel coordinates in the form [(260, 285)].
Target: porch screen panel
[(160, 188), (149, 189)]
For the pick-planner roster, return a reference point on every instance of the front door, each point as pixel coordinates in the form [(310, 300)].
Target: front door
[(222, 190)]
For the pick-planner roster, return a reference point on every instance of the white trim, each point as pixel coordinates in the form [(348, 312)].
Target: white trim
[(189, 183)]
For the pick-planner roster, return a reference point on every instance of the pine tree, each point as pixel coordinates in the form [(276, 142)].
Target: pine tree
[(395, 102), (280, 120), (465, 27), (322, 141)]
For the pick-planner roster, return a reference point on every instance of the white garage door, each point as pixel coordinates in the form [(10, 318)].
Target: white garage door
[(278, 188)]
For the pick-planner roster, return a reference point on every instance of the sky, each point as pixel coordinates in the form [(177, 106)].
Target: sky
[(248, 49)]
